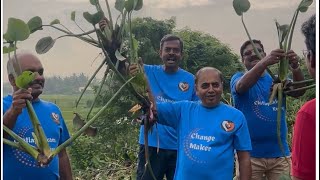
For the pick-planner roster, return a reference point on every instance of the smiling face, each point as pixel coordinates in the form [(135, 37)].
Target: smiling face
[(171, 55), (29, 62), (209, 86), (249, 58)]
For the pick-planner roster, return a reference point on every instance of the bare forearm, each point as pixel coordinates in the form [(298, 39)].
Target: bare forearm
[(64, 166), (250, 78), (244, 165), (297, 75)]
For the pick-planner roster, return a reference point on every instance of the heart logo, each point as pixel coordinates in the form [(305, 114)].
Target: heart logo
[(227, 125), (55, 118), (184, 86)]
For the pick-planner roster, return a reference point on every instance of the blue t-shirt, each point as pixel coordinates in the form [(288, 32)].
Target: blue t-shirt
[(167, 87), (18, 165), (261, 117), (207, 138)]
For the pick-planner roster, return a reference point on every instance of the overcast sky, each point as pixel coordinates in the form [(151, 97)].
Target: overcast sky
[(215, 17)]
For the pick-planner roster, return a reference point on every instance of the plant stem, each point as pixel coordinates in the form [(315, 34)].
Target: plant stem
[(99, 90), (78, 133), (24, 145), (90, 80), (302, 82), (42, 139), (12, 144), (93, 42), (302, 88), (139, 97), (254, 47), (110, 17)]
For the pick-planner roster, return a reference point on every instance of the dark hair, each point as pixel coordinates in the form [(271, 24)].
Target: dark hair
[(308, 29), (171, 37), (207, 68), (245, 44)]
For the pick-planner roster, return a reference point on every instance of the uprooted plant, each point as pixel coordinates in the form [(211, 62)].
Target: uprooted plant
[(281, 84), (112, 40)]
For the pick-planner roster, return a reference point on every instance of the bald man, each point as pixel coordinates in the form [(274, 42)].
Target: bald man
[(16, 163), (208, 132)]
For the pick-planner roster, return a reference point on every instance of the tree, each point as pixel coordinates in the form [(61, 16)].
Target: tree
[(149, 32), (202, 50)]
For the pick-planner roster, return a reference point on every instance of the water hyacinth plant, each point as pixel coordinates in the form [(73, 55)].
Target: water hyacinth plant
[(281, 85), (112, 42)]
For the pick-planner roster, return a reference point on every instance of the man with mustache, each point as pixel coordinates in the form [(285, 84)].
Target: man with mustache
[(168, 83), (16, 163), (251, 91)]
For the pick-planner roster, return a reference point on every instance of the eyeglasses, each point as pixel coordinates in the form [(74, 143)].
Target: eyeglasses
[(250, 52), (306, 53)]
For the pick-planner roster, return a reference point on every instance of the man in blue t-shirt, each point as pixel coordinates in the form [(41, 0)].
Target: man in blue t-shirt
[(251, 91), (168, 83), (16, 163), (209, 132)]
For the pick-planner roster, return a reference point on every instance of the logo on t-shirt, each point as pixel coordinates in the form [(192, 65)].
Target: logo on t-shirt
[(55, 118), (227, 125), (198, 141), (183, 86)]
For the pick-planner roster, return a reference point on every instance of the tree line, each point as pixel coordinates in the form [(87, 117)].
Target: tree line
[(59, 85)]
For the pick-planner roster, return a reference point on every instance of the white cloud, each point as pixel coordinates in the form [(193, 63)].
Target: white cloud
[(168, 4), (174, 4), (273, 4)]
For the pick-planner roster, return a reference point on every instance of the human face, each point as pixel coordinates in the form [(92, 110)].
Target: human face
[(310, 62), (249, 58), (209, 88), (31, 63), (171, 55)]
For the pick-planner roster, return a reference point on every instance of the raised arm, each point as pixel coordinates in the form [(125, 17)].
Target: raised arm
[(297, 74), (252, 75)]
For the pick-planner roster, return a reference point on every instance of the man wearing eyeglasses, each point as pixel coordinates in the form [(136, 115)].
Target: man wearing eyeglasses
[(251, 91), (304, 133)]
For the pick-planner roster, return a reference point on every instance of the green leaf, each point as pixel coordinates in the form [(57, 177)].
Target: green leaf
[(8, 49), (7, 37), (56, 21), (17, 30), (282, 32), (241, 6), (129, 5), (36, 141), (93, 18), (93, 2), (73, 15), (304, 5), (88, 17), (108, 33), (119, 5), (119, 56), (23, 80), (138, 5), (135, 49), (44, 45), (140, 80), (35, 24)]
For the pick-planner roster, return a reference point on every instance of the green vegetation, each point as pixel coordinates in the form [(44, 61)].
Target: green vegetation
[(112, 154), (67, 104)]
